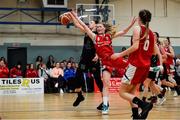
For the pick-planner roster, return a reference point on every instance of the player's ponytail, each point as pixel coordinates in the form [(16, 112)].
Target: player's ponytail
[(145, 17)]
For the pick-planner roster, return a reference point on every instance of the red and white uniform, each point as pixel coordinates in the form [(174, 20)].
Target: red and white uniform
[(163, 53), (104, 50), (169, 61), (140, 60)]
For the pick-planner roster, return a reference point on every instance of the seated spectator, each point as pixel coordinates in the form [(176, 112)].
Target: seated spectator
[(27, 66), (57, 74), (50, 62), (16, 72), (62, 65), (31, 72), (74, 66), (65, 63), (43, 72), (4, 71), (71, 59), (69, 72), (69, 75), (57, 71), (4, 59), (177, 73), (39, 60)]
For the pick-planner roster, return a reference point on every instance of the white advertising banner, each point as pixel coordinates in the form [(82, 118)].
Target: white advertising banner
[(13, 86)]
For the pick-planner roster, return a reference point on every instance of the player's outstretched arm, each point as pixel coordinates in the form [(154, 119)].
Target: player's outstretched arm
[(76, 23), (134, 47), (123, 32), (85, 27)]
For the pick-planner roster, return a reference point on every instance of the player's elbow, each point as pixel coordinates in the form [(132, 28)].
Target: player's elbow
[(135, 46)]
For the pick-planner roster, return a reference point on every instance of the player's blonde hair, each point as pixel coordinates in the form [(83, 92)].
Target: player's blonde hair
[(161, 41), (109, 29)]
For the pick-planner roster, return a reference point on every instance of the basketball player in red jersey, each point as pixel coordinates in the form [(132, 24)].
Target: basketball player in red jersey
[(156, 61), (140, 54), (169, 63), (104, 50), (163, 75), (170, 53)]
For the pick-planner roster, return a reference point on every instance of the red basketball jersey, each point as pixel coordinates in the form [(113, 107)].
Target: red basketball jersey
[(142, 56), (104, 46), (169, 59), (104, 50)]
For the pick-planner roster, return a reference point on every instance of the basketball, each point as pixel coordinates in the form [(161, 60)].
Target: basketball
[(64, 19)]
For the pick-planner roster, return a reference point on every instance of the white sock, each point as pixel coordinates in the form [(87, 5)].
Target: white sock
[(161, 89), (105, 100)]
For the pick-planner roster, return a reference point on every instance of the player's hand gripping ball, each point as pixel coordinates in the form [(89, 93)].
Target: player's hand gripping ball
[(64, 19)]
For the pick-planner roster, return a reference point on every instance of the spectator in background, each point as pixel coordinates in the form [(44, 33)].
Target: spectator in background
[(16, 72), (57, 74), (65, 62), (31, 72), (74, 66), (4, 59), (39, 60), (177, 73), (71, 59), (4, 71), (43, 72), (69, 71), (50, 62), (62, 65), (27, 66), (69, 75)]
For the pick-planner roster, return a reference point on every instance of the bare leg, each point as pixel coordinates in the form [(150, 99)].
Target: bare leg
[(146, 88), (106, 78)]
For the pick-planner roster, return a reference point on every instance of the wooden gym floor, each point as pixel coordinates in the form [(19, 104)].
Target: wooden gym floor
[(59, 106)]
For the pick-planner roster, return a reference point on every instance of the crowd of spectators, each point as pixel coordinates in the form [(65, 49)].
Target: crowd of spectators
[(56, 74)]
